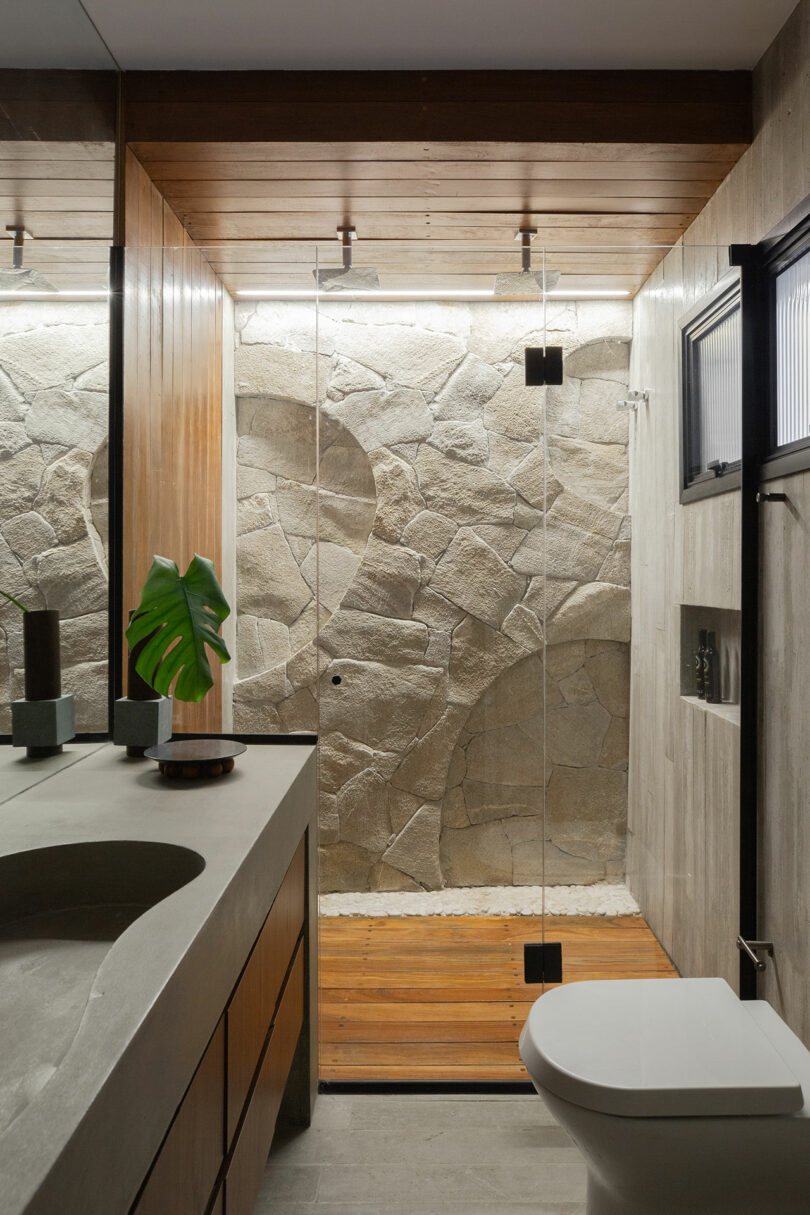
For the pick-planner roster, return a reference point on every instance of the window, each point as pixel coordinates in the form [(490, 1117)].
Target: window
[(711, 353), (790, 341)]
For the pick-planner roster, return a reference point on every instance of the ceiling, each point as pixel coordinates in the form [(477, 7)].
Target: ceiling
[(443, 215), (362, 34), (429, 212)]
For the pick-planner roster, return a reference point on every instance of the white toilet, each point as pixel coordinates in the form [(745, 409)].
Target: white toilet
[(683, 1099)]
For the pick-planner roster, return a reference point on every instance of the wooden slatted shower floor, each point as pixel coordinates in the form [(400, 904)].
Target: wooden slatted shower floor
[(442, 997)]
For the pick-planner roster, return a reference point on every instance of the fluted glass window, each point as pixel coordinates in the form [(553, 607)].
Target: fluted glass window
[(712, 391), (793, 353)]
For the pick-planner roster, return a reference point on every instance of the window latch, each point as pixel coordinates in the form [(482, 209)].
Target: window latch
[(718, 467)]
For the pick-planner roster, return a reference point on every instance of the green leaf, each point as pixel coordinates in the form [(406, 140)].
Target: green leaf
[(16, 602), (184, 612)]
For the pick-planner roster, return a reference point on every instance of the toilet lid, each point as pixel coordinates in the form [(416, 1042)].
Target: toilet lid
[(656, 1048)]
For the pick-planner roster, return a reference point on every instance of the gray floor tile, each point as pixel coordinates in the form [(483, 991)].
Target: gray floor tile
[(290, 1183), (420, 1155), (535, 1206), (482, 1145), (439, 1112)]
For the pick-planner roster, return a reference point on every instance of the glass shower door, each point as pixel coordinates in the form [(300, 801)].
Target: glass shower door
[(431, 581)]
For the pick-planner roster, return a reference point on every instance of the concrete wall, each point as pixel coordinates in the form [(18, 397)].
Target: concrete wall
[(434, 569), (53, 492), (682, 844)]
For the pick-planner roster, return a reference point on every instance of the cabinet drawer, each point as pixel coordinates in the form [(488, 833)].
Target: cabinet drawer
[(185, 1170), (244, 1176), (250, 1013)]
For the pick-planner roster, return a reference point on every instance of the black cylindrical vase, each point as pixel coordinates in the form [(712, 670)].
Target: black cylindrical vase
[(43, 666)]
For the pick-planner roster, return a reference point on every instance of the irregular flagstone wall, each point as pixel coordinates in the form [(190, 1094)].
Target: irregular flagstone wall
[(445, 542), (53, 492)]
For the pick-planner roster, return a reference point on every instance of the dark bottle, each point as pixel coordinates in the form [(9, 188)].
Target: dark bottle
[(711, 671), (698, 656)]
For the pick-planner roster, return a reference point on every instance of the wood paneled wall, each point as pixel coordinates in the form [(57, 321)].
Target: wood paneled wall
[(172, 404), (683, 848)]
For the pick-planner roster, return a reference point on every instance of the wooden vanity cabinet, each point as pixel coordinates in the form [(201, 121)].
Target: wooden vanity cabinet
[(253, 1004), (187, 1167), (212, 1159)]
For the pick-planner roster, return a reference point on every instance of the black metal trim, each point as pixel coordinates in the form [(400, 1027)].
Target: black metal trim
[(250, 740), (257, 740), (754, 312), (721, 303), (115, 450), (518, 1087)]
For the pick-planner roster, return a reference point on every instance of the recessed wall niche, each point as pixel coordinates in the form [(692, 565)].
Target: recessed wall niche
[(725, 624)]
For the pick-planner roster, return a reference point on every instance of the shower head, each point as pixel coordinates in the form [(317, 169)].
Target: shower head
[(347, 277), (526, 281), (18, 279)]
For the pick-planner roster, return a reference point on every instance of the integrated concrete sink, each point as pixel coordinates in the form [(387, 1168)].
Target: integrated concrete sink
[(61, 909)]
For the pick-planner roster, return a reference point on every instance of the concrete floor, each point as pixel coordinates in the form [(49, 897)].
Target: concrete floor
[(425, 1155)]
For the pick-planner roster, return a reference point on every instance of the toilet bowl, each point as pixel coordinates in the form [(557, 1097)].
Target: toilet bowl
[(683, 1099)]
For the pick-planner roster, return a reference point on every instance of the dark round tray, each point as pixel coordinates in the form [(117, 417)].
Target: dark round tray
[(195, 758)]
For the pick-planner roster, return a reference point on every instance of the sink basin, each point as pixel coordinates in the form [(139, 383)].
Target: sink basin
[(61, 909)]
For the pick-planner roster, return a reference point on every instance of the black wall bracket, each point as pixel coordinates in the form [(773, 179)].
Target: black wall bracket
[(544, 365), (542, 963)]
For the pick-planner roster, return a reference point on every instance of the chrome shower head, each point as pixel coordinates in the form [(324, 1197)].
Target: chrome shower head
[(16, 278), (526, 281), (347, 277)]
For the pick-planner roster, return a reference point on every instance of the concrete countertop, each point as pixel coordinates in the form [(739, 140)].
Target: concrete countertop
[(84, 1143)]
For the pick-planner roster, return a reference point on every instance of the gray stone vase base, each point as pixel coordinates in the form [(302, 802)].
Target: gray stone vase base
[(43, 723), (142, 723)]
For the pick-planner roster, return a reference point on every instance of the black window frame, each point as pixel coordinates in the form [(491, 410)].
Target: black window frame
[(722, 302), (790, 457)]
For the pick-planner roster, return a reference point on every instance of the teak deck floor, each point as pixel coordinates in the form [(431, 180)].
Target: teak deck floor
[(443, 998)]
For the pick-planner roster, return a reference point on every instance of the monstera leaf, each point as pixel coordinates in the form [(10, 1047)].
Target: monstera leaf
[(180, 615)]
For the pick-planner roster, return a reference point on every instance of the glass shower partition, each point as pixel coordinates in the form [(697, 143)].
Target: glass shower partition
[(432, 586), (450, 603), (279, 376)]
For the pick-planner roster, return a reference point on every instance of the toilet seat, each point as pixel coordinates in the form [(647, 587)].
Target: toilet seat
[(656, 1048)]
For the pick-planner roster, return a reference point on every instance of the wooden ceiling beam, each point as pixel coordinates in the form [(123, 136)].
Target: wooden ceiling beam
[(567, 106)]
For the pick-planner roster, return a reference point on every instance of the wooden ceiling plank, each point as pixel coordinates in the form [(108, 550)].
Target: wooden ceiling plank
[(69, 205), (52, 149), (66, 225), (12, 168), (247, 194), (460, 259), (168, 172), (57, 189), (212, 230), (172, 152)]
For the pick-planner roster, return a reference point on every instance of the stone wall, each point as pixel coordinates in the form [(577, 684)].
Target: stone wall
[(53, 492), (446, 546)]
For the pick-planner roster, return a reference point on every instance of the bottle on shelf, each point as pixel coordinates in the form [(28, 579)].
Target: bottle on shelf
[(711, 670), (698, 656)]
